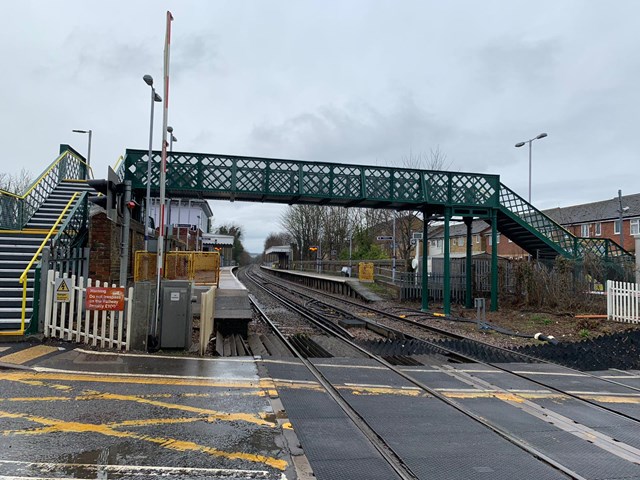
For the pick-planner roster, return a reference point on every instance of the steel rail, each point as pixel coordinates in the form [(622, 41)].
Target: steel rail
[(459, 336), (575, 396), (389, 455), (523, 445)]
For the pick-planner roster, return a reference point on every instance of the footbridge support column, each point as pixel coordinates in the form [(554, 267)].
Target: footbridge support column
[(425, 264), (494, 260), (468, 302), (446, 281)]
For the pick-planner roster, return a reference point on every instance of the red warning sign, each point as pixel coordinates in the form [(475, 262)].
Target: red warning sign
[(104, 298)]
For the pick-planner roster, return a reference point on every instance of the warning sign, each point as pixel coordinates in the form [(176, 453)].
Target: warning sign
[(104, 298), (365, 272), (63, 290)]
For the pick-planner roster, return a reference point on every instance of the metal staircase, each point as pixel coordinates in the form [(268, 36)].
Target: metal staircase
[(52, 211), (543, 238)]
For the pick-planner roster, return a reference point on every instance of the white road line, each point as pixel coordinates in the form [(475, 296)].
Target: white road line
[(133, 470)]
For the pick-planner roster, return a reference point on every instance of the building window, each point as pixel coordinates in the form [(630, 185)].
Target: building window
[(489, 242), (635, 227), (616, 227), (598, 229), (477, 238), (584, 230), (461, 241)]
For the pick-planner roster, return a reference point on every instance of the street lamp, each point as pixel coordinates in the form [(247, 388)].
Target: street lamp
[(620, 210), (521, 144), (148, 79), (89, 147), (172, 138)]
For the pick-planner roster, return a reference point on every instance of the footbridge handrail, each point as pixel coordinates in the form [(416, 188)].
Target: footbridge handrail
[(16, 210), (275, 180), (25, 273), (570, 245)]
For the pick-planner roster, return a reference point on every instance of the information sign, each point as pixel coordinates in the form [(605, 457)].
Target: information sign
[(104, 298)]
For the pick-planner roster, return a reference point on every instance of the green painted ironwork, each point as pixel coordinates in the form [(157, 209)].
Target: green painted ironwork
[(271, 180), (291, 181), (73, 232), (555, 236), (16, 210)]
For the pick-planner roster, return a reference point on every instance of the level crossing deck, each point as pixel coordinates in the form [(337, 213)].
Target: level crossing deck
[(435, 440)]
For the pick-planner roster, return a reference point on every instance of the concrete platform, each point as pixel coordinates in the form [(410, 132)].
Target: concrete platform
[(233, 310), (350, 287)]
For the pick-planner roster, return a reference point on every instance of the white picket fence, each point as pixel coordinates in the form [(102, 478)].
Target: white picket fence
[(623, 301), (73, 322)]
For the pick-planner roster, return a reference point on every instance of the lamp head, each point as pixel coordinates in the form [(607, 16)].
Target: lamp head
[(80, 131), (157, 98), (148, 79), (520, 144), (542, 135), (170, 129)]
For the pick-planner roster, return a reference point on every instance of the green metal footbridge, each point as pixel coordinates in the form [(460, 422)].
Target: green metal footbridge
[(437, 194)]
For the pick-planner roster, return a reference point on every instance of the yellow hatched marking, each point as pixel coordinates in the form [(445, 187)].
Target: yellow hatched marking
[(54, 425), (31, 353), (185, 408), (2, 349)]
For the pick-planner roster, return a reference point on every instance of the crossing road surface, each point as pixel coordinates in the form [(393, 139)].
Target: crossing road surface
[(58, 423)]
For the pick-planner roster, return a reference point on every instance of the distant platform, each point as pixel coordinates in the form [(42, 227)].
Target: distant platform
[(329, 283)]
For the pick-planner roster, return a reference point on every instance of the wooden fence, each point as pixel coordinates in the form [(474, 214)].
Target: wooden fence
[(623, 301), (69, 317)]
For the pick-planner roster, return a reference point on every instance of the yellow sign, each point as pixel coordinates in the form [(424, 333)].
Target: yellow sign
[(365, 272), (63, 290)]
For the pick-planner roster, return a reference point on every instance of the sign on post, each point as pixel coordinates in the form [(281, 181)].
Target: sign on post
[(104, 298), (63, 290), (384, 238)]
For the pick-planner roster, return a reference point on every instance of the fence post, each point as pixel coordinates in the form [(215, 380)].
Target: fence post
[(48, 303)]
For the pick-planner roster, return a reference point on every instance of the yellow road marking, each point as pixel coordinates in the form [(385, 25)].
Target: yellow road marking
[(250, 418), (90, 377), (27, 354), (54, 425)]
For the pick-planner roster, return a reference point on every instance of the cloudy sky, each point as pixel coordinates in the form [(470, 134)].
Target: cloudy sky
[(363, 82)]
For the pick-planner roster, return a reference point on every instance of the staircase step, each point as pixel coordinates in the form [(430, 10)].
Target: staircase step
[(14, 303), (13, 292)]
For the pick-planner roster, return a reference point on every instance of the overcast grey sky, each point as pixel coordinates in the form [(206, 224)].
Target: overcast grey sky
[(340, 81)]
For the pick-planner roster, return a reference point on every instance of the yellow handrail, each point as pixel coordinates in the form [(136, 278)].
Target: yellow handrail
[(4, 192), (23, 277), (46, 172), (117, 164)]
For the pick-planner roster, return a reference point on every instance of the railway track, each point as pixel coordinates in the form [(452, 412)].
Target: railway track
[(399, 345), (327, 324)]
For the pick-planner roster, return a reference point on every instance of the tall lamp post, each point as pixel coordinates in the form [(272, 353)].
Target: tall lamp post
[(521, 144), (172, 138), (620, 212), (89, 146), (148, 79)]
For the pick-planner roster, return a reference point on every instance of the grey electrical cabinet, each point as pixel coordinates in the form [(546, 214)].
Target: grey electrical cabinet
[(176, 318)]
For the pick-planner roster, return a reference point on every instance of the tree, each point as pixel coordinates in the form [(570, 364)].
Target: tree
[(237, 252), (16, 183)]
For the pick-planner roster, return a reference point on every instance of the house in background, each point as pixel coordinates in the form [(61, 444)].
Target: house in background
[(602, 219)]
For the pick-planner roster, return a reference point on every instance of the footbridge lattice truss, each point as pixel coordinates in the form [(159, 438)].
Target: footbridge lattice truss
[(253, 179)]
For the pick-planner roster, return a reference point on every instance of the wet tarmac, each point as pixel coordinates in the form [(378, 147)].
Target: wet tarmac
[(82, 414)]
